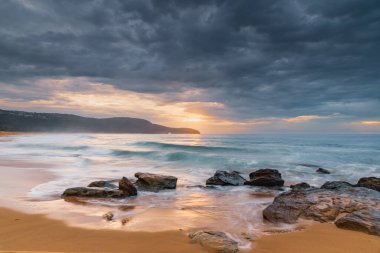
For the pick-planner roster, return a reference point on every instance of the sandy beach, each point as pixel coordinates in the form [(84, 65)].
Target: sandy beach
[(21, 231)]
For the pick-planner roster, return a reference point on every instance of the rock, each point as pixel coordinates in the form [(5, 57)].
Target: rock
[(226, 178), (108, 216), (102, 184), (369, 182), (300, 186), (92, 193), (322, 171), (214, 240), (336, 185), (367, 221), (124, 221), (127, 187), (320, 204), (265, 177), (155, 182)]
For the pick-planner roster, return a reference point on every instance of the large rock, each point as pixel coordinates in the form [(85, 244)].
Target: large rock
[(265, 177), (226, 178), (322, 204), (367, 221), (102, 184), (155, 182), (89, 192), (127, 187), (335, 185), (369, 182), (215, 241)]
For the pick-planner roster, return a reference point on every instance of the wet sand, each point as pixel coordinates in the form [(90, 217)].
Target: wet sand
[(319, 238), (21, 232)]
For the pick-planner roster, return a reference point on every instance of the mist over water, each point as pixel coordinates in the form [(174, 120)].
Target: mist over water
[(78, 159)]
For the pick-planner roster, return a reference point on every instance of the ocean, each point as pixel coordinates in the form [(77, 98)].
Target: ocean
[(78, 159)]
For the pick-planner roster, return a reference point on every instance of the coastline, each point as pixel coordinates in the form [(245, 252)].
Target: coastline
[(20, 232), (25, 232)]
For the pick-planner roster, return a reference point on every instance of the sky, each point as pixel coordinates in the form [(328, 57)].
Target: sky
[(288, 66)]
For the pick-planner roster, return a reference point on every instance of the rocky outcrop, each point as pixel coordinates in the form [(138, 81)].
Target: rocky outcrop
[(323, 205), (300, 186), (155, 182), (369, 182), (215, 241), (322, 171), (226, 178), (102, 184), (336, 185), (89, 192), (265, 177), (367, 221), (127, 187)]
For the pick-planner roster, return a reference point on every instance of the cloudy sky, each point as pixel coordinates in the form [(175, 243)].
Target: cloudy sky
[(218, 66)]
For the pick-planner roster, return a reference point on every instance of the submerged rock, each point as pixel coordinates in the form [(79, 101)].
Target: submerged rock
[(367, 221), (336, 185), (322, 171), (93, 192), (265, 177), (155, 182), (369, 182), (323, 205), (102, 184), (300, 186), (108, 216), (127, 187), (222, 177), (214, 240)]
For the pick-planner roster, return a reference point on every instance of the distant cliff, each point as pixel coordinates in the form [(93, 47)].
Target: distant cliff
[(55, 122)]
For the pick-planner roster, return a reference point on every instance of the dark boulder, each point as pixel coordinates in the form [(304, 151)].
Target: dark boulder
[(300, 186), (226, 178), (155, 182), (89, 192), (127, 187), (325, 205), (215, 241), (265, 177), (367, 221), (102, 184), (369, 182), (322, 171), (336, 185)]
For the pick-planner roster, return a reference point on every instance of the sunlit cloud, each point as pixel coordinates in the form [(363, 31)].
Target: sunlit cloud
[(370, 123)]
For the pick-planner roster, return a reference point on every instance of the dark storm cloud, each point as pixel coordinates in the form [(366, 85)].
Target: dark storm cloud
[(260, 58)]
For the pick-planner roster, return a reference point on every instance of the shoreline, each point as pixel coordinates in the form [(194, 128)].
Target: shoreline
[(21, 230)]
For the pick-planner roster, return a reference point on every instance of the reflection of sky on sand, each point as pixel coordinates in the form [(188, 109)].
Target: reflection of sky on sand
[(77, 159)]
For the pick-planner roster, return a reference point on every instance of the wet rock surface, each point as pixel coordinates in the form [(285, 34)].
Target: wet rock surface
[(102, 184), (155, 182), (300, 186), (369, 182), (226, 178), (322, 171), (90, 192), (127, 187), (367, 221), (265, 177), (325, 205), (214, 240), (335, 185)]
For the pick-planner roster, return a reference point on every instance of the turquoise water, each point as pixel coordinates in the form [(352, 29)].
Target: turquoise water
[(77, 159)]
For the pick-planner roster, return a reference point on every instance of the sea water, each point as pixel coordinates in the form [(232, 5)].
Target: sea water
[(78, 159)]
